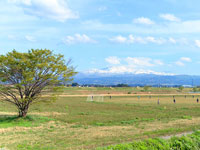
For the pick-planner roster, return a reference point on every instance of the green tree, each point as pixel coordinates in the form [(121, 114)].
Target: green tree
[(146, 88), (25, 77), (75, 84), (195, 89), (181, 88)]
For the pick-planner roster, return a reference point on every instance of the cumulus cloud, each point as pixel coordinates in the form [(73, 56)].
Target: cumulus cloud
[(119, 39), (197, 43), (133, 39), (172, 40), (52, 9), (143, 62), (153, 40), (143, 20), (182, 61), (78, 38), (113, 60), (169, 17), (139, 61), (30, 38), (179, 63), (186, 59)]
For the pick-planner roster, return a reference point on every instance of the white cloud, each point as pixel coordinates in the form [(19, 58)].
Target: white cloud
[(153, 40), (143, 20), (182, 61), (133, 39), (119, 39), (78, 38), (30, 38), (179, 63), (124, 70), (139, 61), (169, 17), (186, 59), (197, 43), (113, 60), (52, 9), (172, 40)]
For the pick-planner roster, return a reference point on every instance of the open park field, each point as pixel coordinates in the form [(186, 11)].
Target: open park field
[(72, 123)]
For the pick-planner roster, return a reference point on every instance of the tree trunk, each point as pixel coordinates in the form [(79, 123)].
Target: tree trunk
[(23, 112)]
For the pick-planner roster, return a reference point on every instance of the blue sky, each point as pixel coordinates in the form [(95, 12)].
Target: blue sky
[(108, 36)]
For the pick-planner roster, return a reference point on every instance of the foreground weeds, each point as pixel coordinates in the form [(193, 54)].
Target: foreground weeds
[(189, 142)]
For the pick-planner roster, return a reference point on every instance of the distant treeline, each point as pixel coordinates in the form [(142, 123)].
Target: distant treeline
[(125, 85)]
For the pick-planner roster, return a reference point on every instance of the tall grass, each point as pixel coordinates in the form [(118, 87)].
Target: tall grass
[(189, 142)]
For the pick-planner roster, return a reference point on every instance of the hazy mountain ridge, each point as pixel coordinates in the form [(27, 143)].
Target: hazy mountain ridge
[(137, 79)]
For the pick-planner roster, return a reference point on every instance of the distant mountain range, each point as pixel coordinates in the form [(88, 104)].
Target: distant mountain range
[(137, 79)]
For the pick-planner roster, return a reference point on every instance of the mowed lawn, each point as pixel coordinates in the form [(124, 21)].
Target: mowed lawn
[(73, 123)]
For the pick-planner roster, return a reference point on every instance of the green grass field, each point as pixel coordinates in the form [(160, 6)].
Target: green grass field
[(120, 90), (73, 123)]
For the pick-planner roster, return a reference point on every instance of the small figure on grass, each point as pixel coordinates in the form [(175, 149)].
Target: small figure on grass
[(193, 96), (197, 100), (110, 97), (185, 96), (158, 102), (174, 101)]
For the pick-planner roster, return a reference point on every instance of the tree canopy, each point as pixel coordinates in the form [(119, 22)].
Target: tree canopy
[(24, 76)]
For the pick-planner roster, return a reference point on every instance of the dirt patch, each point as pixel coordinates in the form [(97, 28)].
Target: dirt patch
[(176, 135)]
